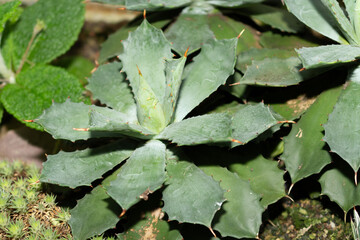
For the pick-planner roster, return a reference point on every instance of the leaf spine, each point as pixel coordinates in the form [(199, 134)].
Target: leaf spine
[(241, 33)]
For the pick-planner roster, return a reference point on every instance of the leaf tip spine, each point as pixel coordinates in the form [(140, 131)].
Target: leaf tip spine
[(186, 52), (122, 213), (302, 69), (144, 13), (81, 129), (139, 70), (212, 231), (29, 121), (241, 33), (236, 141)]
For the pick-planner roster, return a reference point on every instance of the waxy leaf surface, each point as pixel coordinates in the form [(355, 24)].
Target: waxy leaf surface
[(181, 32), (338, 184), (264, 176), (209, 128), (143, 173), (81, 168), (36, 88), (95, 213), (218, 58), (70, 121), (241, 213), (317, 16), (184, 201), (345, 140), (304, 151), (325, 55), (108, 85)]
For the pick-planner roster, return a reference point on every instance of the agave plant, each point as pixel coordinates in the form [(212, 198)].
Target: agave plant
[(342, 25), (145, 118)]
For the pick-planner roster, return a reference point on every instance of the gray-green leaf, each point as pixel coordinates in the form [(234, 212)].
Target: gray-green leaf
[(81, 168), (188, 202), (143, 173)]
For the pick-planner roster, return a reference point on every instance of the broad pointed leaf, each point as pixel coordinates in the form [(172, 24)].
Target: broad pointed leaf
[(314, 14), (350, 6), (143, 173), (81, 168), (307, 134), (108, 85), (226, 28), (173, 71), (95, 213), (113, 46), (61, 30), (338, 184), (146, 50), (241, 214), (251, 121), (7, 10), (70, 121), (152, 227), (264, 176), (326, 55), (263, 72), (345, 140), (108, 120), (36, 88), (343, 21), (218, 57), (209, 128), (246, 58), (182, 32), (185, 201)]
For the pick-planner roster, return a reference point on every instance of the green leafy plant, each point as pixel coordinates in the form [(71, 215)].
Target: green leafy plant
[(341, 25), (29, 40), (145, 121)]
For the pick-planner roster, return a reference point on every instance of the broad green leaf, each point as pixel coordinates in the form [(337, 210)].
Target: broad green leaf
[(225, 28), (287, 42), (345, 140), (36, 88), (150, 110), (1, 112), (108, 85), (173, 71), (113, 46), (274, 72), (95, 213), (185, 201), (70, 121), (251, 121), (275, 17), (315, 15), (264, 176), (81, 168), (356, 15), (350, 6), (61, 30), (338, 184), (80, 67), (304, 151), (152, 227), (143, 173), (232, 3), (343, 21), (325, 55), (108, 120), (241, 214), (143, 61), (154, 4), (218, 58), (7, 10), (246, 58), (190, 30), (210, 128)]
